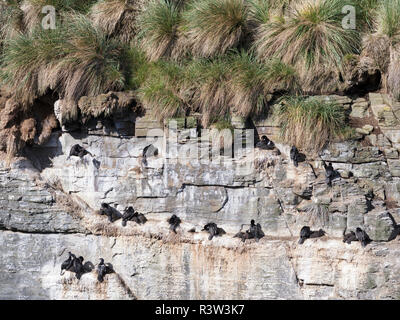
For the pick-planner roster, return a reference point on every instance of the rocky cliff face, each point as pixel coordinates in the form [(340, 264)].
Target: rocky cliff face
[(48, 210)]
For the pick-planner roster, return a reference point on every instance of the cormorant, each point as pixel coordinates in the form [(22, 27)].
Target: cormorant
[(67, 264), (305, 233), (213, 230), (78, 267), (349, 237), (294, 155), (110, 212), (78, 151), (174, 222), (149, 151), (255, 231), (128, 215), (265, 144), (103, 269), (363, 237), (329, 173)]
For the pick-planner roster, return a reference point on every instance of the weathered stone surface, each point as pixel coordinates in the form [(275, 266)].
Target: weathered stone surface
[(380, 225), (359, 110), (152, 263)]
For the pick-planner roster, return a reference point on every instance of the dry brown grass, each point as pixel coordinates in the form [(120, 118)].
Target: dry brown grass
[(311, 38), (393, 77), (117, 17), (310, 123), (214, 26), (158, 25)]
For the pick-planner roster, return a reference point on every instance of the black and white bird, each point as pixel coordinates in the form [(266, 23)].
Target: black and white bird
[(67, 264), (265, 144), (103, 269)]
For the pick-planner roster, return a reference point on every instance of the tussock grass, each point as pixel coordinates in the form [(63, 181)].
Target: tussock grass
[(93, 63), (260, 11), (158, 28), (393, 77), (212, 96), (76, 59), (251, 82), (388, 19), (234, 83), (214, 26), (162, 91), (117, 18), (11, 20), (388, 29), (310, 123), (29, 58), (311, 38), (33, 9)]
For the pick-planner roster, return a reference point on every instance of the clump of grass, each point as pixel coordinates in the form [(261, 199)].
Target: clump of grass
[(214, 26), (25, 60), (212, 95), (309, 123), (93, 63), (33, 9), (162, 90), (11, 20), (117, 18), (251, 82), (76, 59), (388, 31), (158, 28), (260, 11), (311, 38), (393, 78), (388, 19)]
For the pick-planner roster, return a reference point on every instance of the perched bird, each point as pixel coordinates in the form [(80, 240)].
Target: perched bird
[(148, 151), (305, 233), (329, 173), (78, 151), (129, 215), (67, 264), (255, 231), (103, 269), (174, 222), (349, 237), (213, 230), (363, 237), (78, 267), (110, 212), (265, 144), (294, 156)]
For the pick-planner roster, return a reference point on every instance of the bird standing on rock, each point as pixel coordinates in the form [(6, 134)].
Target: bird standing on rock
[(174, 222), (294, 156), (103, 269), (67, 264), (363, 237)]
